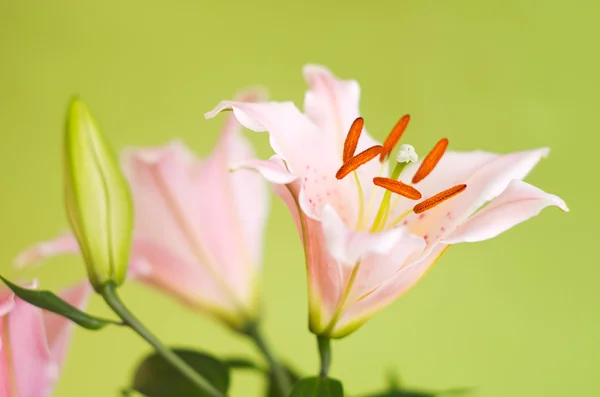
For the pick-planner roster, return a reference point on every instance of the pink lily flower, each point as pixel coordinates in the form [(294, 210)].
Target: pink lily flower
[(364, 248), (34, 343), (198, 227)]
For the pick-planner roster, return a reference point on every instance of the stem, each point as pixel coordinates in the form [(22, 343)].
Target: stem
[(109, 293), (280, 376), (325, 352)]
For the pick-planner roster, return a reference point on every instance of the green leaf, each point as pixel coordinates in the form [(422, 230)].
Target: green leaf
[(271, 390), (130, 393), (243, 364), (402, 393), (155, 377), (318, 387), (415, 393), (49, 301)]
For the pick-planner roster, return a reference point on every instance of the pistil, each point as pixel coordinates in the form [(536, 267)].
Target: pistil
[(405, 155)]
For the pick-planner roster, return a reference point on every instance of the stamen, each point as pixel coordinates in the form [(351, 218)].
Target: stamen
[(394, 136), (398, 187), (438, 199), (430, 161), (354, 162), (352, 138)]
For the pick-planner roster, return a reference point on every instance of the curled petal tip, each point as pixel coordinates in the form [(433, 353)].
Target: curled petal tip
[(221, 106), (252, 94)]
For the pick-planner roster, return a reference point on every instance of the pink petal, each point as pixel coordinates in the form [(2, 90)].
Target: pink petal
[(323, 272), (491, 180), (61, 245), (7, 303), (182, 209), (453, 168), (251, 200), (387, 292), (378, 268), (58, 329), (288, 128), (5, 386), (519, 202), (66, 244), (333, 104), (378, 255), (348, 247), (309, 154), (157, 266), (34, 370), (191, 282), (273, 170), (484, 182)]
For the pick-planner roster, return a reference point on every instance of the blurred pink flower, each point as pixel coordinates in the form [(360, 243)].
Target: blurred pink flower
[(198, 226), (357, 261), (34, 343)]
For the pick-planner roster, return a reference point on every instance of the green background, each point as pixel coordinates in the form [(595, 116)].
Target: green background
[(514, 316)]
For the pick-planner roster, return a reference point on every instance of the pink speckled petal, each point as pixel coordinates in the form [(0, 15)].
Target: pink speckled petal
[(519, 202)]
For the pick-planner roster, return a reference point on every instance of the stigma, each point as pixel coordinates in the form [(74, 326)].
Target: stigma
[(407, 154)]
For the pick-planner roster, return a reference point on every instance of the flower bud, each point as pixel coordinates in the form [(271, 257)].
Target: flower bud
[(98, 200)]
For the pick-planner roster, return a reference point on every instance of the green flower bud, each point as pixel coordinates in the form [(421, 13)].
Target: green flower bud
[(98, 200)]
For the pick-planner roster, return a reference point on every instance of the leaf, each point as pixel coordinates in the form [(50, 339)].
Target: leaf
[(272, 390), (130, 393), (51, 302), (243, 364), (155, 377), (318, 387), (415, 393), (402, 393)]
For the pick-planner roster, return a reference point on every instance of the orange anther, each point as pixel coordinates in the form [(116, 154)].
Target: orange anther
[(352, 138), (394, 136), (438, 198), (431, 161), (354, 162), (398, 187)]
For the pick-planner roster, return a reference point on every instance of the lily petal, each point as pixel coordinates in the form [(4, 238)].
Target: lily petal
[(454, 168), (348, 246), (59, 329), (34, 371), (288, 128), (63, 244), (273, 170), (519, 202), (196, 209), (333, 104), (38, 341), (483, 184), (66, 244), (387, 292), (308, 154)]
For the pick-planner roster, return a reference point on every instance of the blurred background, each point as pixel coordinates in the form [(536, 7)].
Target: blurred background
[(514, 316)]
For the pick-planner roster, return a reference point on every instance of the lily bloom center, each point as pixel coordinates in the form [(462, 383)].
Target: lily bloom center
[(390, 183)]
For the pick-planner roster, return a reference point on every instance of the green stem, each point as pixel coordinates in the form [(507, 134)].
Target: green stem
[(324, 344), (109, 293), (281, 378)]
